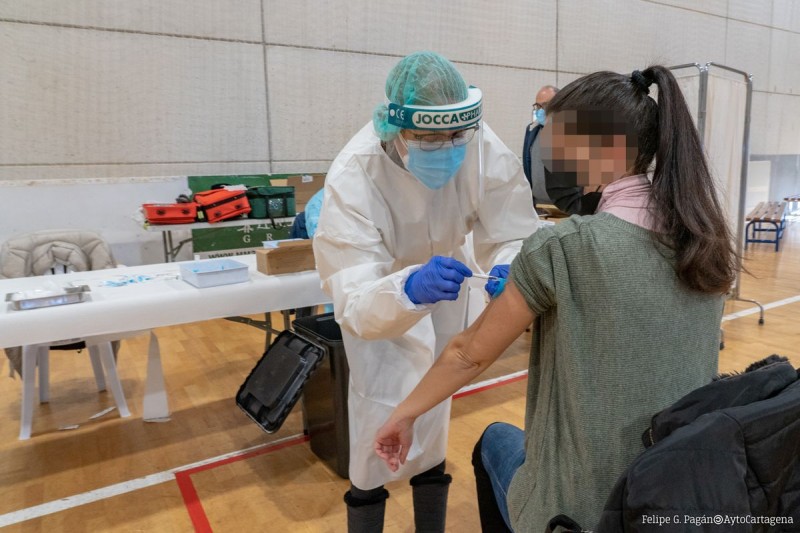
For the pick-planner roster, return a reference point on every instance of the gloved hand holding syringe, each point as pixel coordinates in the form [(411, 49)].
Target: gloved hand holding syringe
[(496, 280)]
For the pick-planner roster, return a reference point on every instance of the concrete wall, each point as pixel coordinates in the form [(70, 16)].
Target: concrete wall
[(100, 97)]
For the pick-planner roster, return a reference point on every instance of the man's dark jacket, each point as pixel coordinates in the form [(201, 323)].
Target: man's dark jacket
[(727, 449), (531, 132)]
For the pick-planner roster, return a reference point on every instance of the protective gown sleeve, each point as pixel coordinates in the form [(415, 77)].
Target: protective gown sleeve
[(505, 214), (356, 268)]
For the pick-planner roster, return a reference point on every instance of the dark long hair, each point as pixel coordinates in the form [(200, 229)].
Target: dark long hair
[(683, 197)]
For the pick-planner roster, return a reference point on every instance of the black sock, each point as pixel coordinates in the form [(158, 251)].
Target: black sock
[(430, 490), (491, 519), (365, 509)]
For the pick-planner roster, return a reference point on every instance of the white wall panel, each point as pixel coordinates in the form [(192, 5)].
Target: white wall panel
[(75, 173), (517, 33), (782, 113), (634, 34), (775, 129), (786, 15), (784, 62), (565, 78), (231, 19), (679, 36), (760, 126), (333, 96), (773, 120), (712, 7), (508, 96), (78, 97), (319, 99), (756, 11), (748, 47)]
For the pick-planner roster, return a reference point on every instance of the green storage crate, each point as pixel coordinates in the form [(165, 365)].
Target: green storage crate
[(221, 242), (271, 202)]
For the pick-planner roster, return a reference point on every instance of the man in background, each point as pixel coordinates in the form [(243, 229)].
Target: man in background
[(531, 157)]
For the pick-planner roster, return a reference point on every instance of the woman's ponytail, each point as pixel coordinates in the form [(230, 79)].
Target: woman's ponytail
[(684, 195)]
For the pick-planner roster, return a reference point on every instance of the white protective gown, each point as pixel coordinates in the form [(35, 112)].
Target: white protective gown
[(378, 225)]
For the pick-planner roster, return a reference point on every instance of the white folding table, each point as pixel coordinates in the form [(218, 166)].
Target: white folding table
[(154, 297)]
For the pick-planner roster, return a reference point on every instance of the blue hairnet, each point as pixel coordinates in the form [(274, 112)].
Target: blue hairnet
[(422, 78)]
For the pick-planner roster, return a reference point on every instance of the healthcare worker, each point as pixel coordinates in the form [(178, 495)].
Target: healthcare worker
[(392, 247)]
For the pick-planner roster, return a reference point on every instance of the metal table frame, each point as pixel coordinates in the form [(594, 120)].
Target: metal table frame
[(171, 250)]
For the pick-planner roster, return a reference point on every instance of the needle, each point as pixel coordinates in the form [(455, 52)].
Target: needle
[(484, 276)]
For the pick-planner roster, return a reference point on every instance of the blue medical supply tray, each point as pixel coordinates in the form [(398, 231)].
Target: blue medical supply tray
[(213, 272)]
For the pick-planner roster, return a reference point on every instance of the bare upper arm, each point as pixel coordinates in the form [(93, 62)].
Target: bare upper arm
[(501, 323)]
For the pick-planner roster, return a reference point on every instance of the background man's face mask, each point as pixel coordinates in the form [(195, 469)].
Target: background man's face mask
[(539, 116)]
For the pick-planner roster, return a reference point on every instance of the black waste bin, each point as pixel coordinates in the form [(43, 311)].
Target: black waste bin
[(325, 394)]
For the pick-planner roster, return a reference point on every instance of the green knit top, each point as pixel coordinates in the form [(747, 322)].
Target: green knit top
[(619, 338)]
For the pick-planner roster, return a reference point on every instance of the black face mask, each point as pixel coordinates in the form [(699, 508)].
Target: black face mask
[(566, 195)]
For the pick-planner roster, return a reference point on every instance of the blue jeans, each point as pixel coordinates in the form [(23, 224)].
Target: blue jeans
[(502, 453)]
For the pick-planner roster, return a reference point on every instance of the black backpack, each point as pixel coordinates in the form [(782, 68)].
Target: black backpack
[(730, 448)]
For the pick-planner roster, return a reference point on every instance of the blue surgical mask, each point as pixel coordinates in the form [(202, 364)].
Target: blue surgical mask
[(539, 116), (434, 169)]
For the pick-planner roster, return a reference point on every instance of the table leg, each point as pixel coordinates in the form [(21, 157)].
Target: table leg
[(43, 362), (166, 248), (172, 251), (268, 323), (29, 356), (155, 406), (112, 378)]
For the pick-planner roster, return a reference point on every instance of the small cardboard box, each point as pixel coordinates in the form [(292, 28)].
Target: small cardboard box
[(287, 257), (305, 187)]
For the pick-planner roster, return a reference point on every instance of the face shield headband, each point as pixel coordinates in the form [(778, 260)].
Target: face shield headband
[(464, 114)]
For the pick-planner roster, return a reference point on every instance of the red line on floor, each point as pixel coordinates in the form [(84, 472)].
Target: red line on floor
[(267, 449), (192, 501), (190, 498)]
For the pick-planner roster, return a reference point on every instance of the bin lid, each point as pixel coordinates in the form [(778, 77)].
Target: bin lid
[(274, 385)]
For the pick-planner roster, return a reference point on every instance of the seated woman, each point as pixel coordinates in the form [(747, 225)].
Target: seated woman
[(627, 301)]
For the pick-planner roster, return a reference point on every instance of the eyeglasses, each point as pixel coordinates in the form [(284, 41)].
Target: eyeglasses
[(537, 106), (433, 141)]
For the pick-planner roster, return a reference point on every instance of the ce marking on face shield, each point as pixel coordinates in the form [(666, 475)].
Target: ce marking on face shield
[(401, 114)]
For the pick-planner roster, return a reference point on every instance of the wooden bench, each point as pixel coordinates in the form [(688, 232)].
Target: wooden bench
[(792, 201), (769, 217)]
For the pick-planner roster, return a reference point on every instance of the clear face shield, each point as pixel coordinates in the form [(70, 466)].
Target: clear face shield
[(441, 139)]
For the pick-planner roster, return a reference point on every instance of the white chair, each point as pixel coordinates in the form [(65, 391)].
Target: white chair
[(43, 252), (101, 354)]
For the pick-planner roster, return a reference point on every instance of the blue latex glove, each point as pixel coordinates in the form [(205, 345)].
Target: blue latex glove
[(439, 279), (495, 286)]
